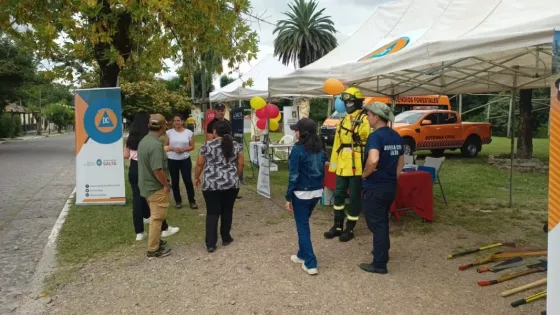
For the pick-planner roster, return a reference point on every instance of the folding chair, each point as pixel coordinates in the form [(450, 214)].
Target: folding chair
[(283, 153), (409, 159), (437, 164)]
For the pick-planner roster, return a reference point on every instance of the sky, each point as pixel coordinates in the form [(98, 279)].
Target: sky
[(347, 15)]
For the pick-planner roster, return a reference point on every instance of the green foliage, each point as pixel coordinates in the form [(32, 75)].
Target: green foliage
[(318, 110), (59, 114), (499, 112), (10, 125), (305, 35), (542, 132), (134, 36), (225, 80), (16, 69), (152, 96)]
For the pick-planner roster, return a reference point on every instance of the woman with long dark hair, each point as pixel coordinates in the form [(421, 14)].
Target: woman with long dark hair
[(305, 187), (140, 208), (179, 143), (222, 161)]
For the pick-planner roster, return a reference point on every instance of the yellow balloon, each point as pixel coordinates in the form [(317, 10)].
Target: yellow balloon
[(257, 103), (277, 118), (333, 86), (273, 125)]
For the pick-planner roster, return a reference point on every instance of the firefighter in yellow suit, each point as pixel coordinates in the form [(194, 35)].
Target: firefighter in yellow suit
[(346, 161)]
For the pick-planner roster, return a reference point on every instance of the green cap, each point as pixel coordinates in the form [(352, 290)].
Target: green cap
[(381, 110)]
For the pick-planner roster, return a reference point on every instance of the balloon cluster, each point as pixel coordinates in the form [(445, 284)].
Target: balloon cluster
[(266, 111)]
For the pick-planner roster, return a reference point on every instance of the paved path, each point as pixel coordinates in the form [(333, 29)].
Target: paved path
[(36, 178)]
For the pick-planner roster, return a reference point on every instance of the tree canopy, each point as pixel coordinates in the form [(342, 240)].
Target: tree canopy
[(110, 36)]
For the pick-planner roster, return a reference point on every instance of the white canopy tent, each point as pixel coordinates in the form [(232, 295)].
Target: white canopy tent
[(259, 74), (446, 47), (439, 47)]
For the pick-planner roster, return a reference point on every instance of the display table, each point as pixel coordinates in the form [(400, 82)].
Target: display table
[(414, 192)]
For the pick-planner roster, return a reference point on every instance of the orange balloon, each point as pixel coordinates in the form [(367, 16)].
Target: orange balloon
[(333, 86)]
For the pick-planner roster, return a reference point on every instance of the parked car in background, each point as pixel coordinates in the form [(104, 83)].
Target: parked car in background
[(440, 130)]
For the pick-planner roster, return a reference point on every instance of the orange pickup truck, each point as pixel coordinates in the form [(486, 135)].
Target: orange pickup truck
[(440, 130)]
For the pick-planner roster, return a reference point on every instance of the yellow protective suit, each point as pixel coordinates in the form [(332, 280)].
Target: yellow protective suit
[(345, 159)]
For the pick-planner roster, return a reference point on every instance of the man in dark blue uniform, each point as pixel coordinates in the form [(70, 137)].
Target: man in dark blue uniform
[(384, 162)]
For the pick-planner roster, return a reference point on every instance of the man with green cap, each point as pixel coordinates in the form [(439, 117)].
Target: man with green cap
[(384, 162)]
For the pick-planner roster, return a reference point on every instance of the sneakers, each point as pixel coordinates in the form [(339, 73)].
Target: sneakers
[(310, 271), (372, 269), (211, 249), (141, 236), (161, 252), (178, 205), (170, 231), (147, 221), (296, 260), (226, 243), (194, 206)]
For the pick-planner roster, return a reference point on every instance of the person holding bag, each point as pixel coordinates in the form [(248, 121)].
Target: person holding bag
[(305, 187)]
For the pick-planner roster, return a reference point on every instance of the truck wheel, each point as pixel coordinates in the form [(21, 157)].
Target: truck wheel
[(438, 152), (408, 146), (471, 147)]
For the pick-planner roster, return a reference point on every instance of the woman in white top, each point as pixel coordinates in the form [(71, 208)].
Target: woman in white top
[(179, 143)]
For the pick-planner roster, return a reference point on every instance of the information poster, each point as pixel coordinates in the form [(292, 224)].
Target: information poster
[(291, 117), (263, 182), (209, 115), (237, 124), (99, 147), (553, 286)]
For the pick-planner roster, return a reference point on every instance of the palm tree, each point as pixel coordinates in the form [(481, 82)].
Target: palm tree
[(305, 36)]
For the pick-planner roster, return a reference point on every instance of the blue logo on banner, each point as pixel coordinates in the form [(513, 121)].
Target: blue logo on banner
[(101, 121), (99, 162), (105, 121)]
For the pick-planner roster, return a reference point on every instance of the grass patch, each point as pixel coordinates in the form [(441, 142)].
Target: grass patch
[(477, 193)]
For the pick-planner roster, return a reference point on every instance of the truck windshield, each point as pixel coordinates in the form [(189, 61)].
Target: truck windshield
[(408, 117)]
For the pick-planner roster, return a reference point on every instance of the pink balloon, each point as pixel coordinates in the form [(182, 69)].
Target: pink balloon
[(261, 113), (261, 123), (272, 111)]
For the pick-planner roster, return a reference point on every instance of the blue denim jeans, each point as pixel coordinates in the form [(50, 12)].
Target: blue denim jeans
[(303, 208)]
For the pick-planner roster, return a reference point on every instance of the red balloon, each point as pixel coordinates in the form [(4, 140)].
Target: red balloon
[(272, 111), (261, 124), (261, 113)]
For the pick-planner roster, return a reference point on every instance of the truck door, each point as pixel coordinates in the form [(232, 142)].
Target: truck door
[(428, 134), (452, 130)]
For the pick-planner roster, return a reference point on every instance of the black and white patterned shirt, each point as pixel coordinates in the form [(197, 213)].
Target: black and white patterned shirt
[(219, 173)]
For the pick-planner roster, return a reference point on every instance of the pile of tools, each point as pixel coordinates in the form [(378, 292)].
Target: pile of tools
[(507, 260)]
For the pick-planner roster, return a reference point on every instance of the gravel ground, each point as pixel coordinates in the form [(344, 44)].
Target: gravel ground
[(254, 275)]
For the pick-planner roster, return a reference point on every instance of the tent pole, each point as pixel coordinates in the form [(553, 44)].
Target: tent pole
[(460, 105), (510, 131), (488, 113)]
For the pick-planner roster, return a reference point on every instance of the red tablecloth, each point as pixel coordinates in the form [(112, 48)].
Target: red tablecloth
[(414, 192)]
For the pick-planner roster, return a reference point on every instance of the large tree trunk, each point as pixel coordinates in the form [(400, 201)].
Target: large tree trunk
[(120, 40), (525, 139), (39, 122)]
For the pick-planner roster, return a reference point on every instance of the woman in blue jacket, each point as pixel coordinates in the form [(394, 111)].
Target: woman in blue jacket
[(305, 187)]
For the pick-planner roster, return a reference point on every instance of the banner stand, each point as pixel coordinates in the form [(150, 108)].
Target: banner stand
[(99, 147), (553, 285)]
